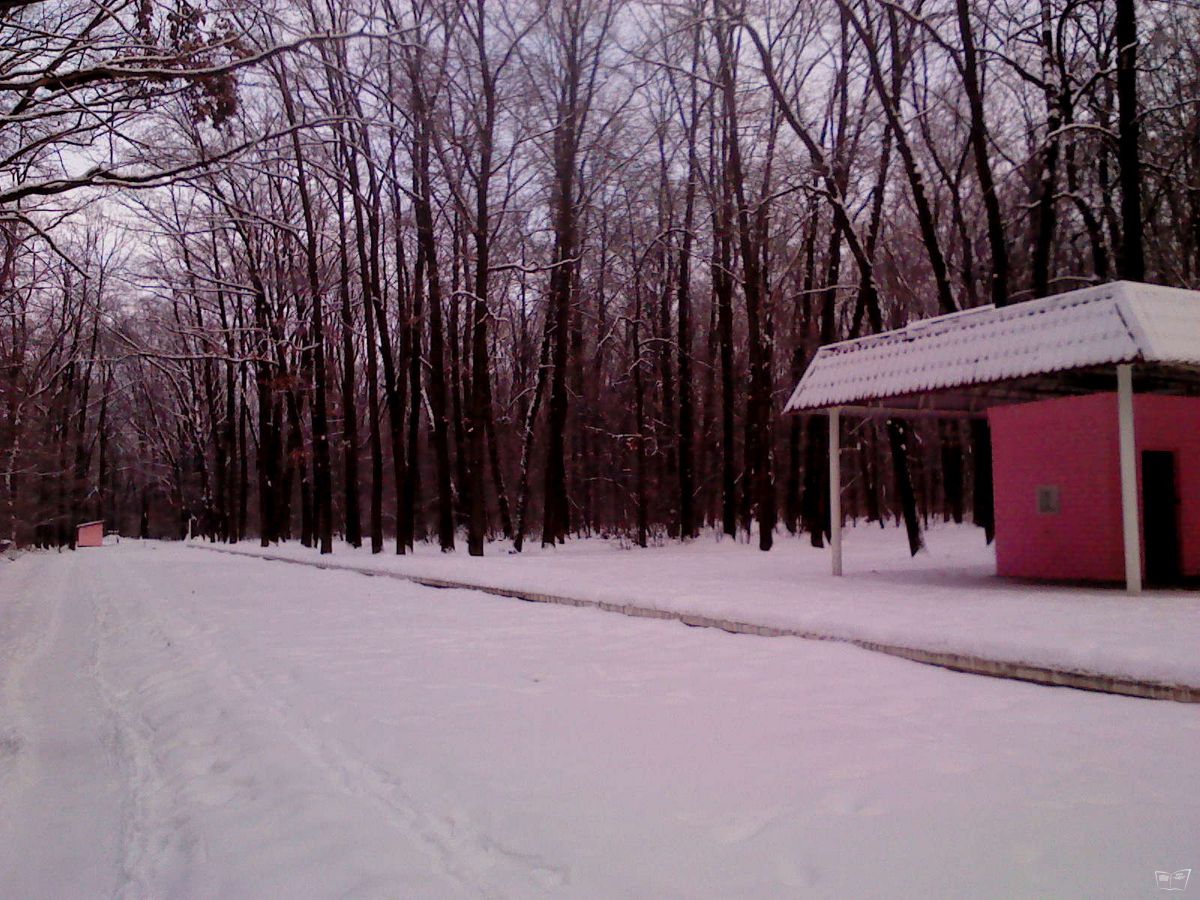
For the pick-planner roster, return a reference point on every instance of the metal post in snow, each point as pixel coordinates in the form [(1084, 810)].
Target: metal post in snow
[(1130, 525), (835, 489)]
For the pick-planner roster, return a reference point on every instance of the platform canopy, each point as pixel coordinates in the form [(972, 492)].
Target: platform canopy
[(1123, 337), (964, 362)]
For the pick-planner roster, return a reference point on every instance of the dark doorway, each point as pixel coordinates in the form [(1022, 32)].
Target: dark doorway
[(1160, 509)]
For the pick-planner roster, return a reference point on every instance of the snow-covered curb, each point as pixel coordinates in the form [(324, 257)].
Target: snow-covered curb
[(1012, 668)]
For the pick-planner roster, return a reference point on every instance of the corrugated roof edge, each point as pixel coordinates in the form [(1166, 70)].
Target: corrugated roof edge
[(1131, 305), (1094, 294), (1128, 298)]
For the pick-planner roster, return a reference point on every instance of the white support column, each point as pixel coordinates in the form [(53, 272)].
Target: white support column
[(1130, 525), (835, 489)]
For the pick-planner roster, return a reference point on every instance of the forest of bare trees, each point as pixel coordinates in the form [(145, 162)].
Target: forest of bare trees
[(393, 271)]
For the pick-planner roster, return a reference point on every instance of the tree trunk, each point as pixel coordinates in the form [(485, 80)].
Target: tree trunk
[(997, 241), (1133, 263), (423, 211)]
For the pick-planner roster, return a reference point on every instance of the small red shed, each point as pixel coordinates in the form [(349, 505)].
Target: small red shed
[(1058, 500), (1092, 398), (89, 534)]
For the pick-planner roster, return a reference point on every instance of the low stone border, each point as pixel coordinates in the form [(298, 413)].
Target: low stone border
[(975, 665)]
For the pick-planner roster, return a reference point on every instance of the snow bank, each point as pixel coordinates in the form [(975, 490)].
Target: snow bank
[(947, 599)]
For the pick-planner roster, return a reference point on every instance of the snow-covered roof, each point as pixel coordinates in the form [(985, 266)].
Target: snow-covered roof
[(1121, 322)]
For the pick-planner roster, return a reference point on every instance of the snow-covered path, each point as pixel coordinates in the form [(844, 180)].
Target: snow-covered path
[(179, 724), (61, 798)]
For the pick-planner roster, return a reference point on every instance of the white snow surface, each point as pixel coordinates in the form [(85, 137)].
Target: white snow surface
[(1120, 322), (947, 598), (177, 724)]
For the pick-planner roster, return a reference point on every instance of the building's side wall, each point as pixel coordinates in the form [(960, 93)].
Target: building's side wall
[(90, 536), (1071, 444)]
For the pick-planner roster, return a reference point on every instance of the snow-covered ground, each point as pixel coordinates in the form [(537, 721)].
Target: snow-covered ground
[(183, 724), (946, 599)]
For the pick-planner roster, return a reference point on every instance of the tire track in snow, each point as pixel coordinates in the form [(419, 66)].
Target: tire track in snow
[(61, 795), (19, 644), (161, 840), (146, 832), (30, 629), (466, 853), (204, 763)]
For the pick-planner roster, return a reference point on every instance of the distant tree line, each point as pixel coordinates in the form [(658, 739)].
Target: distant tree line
[(405, 270)]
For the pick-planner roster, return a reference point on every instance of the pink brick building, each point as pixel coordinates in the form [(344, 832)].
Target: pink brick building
[(1058, 491)]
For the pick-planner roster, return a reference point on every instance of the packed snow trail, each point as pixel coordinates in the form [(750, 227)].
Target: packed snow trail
[(175, 724), (169, 773), (62, 800)]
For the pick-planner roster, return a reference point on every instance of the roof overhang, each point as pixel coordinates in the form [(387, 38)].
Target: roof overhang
[(961, 364), (973, 401)]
